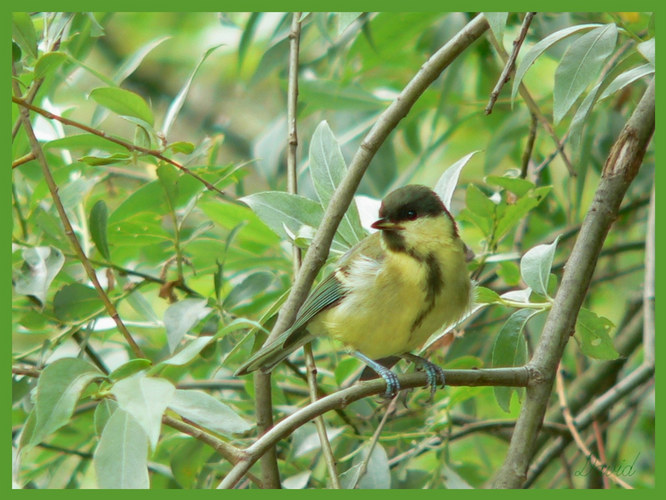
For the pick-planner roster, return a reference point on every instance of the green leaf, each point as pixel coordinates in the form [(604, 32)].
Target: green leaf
[(103, 412), (593, 332), (76, 302), (98, 160), (182, 147), (510, 349), (539, 48), (40, 266), (23, 32), (145, 398), (246, 37), (132, 62), (345, 19), (497, 22), (181, 317), (515, 212), (535, 267), (253, 285), (48, 63), (377, 474), (179, 100), (647, 50), (130, 368), (123, 102), (483, 295), (208, 412), (519, 187), (509, 272), (169, 178), (121, 456), (86, 142), (627, 78), (479, 203), (59, 388), (327, 169), (581, 65), (447, 182), (97, 223)]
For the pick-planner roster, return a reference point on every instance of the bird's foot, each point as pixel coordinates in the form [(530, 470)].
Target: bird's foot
[(433, 372), (391, 379)]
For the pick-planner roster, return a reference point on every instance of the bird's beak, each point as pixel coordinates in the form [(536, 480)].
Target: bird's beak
[(386, 225)]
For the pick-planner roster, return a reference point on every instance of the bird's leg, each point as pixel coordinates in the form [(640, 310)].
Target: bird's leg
[(433, 372), (391, 379)]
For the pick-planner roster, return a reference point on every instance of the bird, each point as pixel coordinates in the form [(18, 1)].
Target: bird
[(388, 293)]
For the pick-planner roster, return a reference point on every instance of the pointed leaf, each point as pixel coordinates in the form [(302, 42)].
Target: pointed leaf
[(208, 412), (23, 32), (327, 169), (580, 66), (123, 102), (540, 48), (181, 317), (497, 22), (145, 398), (97, 223), (447, 182), (121, 456), (59, 388)]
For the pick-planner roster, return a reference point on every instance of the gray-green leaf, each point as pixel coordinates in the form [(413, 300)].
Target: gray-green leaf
[(593, 331), (40, 267), (535, 267), (208, 412), (181, 317)]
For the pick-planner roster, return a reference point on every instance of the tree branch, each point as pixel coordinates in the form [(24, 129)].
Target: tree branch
[(621, 167)]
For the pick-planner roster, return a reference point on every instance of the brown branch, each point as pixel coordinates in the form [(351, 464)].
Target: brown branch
[(23, 104), (69, 230), (619, 171), (513, 377), (510, 63)]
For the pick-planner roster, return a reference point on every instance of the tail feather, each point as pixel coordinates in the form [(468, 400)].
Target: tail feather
[(270, 355)]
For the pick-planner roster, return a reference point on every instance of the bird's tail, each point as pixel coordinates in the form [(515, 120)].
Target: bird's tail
[(266, 358)]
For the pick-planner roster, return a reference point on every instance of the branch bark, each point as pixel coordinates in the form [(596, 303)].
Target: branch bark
[(620, 169)]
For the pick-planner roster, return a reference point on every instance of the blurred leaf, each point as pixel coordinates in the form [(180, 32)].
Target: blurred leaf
[(58, 389), (593, 333), (535, 267), (40, 266), (305, 439), (541, 47), (519, 187), (130, 64), (177, 103), (509, 272), (145, 398), (181, 317), (23, 32), (208, 412), (246, 37), (581, 65), (85, 141), (103, 412), (76, 302), (510, 349), (483, 295), (121, 456), (48, 63), (247, 290), (123, 102), (497, 22), (345, 19), (130, 368), (647, 49), (97, 222)]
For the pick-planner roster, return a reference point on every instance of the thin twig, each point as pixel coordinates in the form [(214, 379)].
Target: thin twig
[(510, 63), (568, 419), (534, 108), (128, 145), (69, 230)]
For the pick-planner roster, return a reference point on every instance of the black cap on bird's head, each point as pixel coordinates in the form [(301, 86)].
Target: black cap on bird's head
[(406, 204)]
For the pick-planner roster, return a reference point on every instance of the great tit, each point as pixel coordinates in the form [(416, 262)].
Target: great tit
[(388, 293)]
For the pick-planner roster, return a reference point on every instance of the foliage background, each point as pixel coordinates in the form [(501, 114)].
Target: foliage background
[(231, 130)]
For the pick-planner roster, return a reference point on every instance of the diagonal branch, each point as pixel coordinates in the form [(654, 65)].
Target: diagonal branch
[(621, 167)]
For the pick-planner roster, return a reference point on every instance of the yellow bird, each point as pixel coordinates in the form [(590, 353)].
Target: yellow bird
[(389, 292)]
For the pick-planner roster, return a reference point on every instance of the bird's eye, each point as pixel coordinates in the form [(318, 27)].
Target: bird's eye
[(411, 214)]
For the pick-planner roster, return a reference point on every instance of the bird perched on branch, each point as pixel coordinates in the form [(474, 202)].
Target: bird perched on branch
[(389, 292)]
